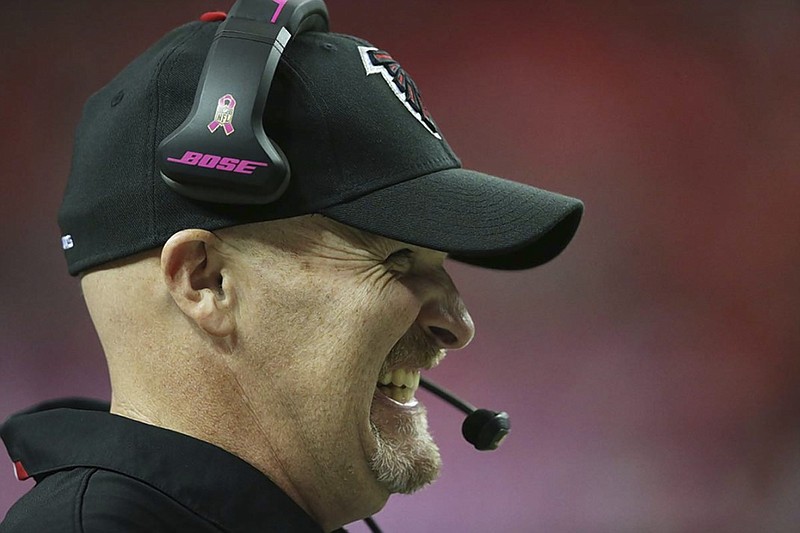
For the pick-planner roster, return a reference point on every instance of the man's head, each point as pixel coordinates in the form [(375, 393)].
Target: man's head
[(292, 334), (271, 340)]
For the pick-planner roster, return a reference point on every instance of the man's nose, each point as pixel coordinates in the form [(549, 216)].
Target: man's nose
[(445, 318)]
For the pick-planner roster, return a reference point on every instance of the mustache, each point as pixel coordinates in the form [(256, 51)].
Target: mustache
[(415, 349)]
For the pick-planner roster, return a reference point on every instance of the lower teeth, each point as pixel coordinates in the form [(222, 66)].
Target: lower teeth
[(398, 394)]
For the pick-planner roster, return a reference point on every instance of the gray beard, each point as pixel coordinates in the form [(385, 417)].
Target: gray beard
[(407, 460)]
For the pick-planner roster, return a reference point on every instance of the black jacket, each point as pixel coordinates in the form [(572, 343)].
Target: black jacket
[(100, 473)]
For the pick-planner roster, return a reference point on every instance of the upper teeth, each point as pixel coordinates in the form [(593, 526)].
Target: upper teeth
[(400, 385), (401, 378)]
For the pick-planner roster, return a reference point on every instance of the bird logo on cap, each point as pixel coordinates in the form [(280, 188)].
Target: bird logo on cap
[(380, 62)]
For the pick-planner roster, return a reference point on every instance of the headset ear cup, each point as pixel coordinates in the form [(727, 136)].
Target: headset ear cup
[(221, 153), (486, 429)]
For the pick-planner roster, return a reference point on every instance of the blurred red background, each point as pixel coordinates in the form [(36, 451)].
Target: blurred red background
[(651, 371)]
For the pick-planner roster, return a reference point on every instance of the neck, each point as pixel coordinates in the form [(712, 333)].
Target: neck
[(203, 398)]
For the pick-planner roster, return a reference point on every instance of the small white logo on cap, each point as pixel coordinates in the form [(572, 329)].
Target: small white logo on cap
[(66, 242)]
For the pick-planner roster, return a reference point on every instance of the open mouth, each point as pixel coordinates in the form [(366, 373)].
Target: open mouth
[(400, 385)]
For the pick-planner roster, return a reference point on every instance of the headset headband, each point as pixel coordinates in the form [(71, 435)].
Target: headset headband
[(221, 153)]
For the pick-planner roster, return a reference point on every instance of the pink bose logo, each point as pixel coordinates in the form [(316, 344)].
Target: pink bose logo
[(227, 164)]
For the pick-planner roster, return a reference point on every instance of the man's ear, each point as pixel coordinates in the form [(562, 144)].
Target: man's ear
[(195, 275)]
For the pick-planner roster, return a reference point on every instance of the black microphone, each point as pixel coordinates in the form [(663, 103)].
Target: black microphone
[(482, 428)]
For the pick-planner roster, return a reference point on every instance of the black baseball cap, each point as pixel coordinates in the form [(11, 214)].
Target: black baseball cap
[(363, 151)]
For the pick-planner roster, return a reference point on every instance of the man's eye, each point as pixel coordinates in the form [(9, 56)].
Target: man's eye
[(401, 260)]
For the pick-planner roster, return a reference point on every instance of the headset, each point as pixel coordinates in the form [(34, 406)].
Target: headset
[(249, 168)]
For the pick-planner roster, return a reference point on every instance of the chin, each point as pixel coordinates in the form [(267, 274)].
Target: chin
[(405, 458)]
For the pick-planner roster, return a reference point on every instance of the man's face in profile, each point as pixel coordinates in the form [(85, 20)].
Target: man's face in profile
[(358, 316)]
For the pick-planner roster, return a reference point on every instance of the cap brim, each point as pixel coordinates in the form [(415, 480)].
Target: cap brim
[(474, 217)]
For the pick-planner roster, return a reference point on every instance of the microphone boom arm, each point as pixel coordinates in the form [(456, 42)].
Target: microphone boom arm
[(482, 428), (447, 396)]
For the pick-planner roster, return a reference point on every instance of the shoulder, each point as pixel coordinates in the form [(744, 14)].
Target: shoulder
[(85, 500), (50, 505)]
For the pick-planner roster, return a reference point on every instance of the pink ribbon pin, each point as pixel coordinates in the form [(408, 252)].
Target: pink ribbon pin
[(224, 115)]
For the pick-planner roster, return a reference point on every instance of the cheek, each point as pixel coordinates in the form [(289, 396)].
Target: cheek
[(344, 312), (398, 302), (380, 316), (403, 308), (369, 319)]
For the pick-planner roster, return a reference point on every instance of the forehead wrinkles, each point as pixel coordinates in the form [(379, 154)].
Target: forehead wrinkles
[(302, 234), (357, 239), (264, 239), (338, 234), (319, 235)]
